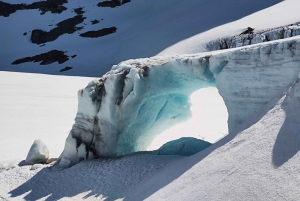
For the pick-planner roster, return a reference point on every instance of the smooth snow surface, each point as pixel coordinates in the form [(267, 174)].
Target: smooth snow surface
[(33, 107), (38, 153)]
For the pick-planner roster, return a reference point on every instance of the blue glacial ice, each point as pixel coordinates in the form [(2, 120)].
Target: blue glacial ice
[(185, 146), (124, 110)]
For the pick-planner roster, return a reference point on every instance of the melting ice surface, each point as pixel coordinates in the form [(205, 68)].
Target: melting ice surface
[(208, 120)]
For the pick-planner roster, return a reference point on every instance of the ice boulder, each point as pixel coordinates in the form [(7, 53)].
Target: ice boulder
[(185, 146), (38, 153)]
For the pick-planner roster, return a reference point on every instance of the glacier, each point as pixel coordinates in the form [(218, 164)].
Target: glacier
[(126, 108)]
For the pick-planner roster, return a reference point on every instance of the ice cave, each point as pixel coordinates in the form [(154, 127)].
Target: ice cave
[(124, 110)]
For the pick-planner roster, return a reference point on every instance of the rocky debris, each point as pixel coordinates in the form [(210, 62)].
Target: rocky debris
[(38, 153), (112, 3), (24, 34), (99, 33), (249, 30), (249, 37), (95, 21), (66, 69), (45, 58), (79, 11), (74, 56), (53, 6), (67, 26)]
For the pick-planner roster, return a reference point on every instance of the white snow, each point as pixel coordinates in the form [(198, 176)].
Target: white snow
[(38, 153), (33, 107), (280, 14)]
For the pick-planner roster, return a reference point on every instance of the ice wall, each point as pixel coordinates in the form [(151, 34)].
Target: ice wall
[(122, 112), (250, 37)]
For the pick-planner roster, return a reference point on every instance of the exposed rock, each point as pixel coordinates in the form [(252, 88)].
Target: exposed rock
[(66, 69), (53, 6), (45, 58), (79, 11), (99, 33), (74, 56), (125, 1), (95, 21), (112, 3), (38, 153), (24, 34), (67, 26)]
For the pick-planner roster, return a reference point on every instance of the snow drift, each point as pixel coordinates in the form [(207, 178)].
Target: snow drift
[(122, 112)]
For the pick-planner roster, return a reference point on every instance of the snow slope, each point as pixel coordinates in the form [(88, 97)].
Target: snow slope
[(36, 106), (144, 29), (259, 161)]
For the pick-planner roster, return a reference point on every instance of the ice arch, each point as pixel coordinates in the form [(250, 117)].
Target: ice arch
[(121, 112)]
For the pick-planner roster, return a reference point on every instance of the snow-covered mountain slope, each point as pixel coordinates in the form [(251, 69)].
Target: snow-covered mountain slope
[(125, 109), (281, 14), (132, 30)]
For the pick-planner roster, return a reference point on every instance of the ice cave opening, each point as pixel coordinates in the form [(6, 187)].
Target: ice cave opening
[(208, 121)]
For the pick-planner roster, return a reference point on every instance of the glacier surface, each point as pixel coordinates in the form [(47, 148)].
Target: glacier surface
[(124, 110)]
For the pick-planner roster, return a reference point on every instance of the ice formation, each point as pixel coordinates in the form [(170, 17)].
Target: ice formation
[(250, 37), (185, 146), (122, 112), (38, 153)]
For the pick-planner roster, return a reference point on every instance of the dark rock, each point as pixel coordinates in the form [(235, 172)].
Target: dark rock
[(24, 34), (99, 33), (78, 11), (65, 69), (111, 4), (45, 58), (53, 6), (67, 26), (248, 31), (125, 1), (74, 56), (95, 21)]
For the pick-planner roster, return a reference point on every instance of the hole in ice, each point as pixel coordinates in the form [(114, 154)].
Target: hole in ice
[(208, 121)]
